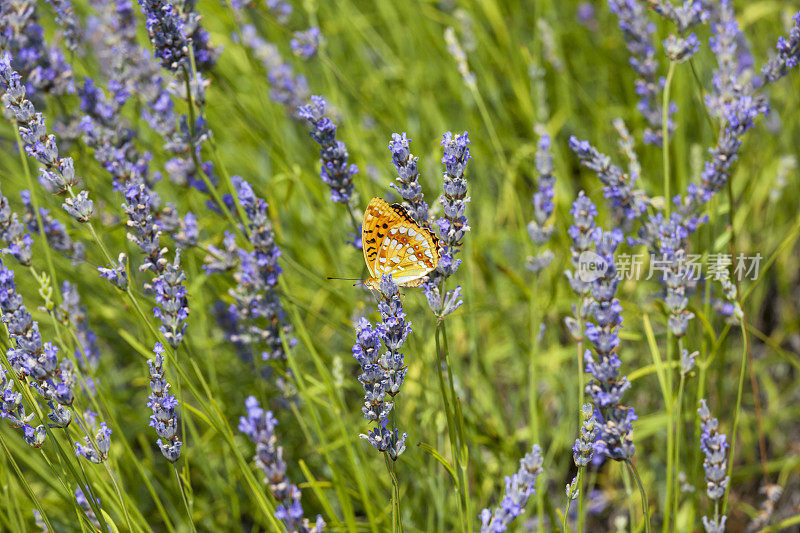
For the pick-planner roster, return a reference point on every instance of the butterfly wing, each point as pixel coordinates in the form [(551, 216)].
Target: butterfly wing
[(395, 244), (372, 232)]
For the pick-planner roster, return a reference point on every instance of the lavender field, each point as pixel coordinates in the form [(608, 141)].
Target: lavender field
[(424, 266)]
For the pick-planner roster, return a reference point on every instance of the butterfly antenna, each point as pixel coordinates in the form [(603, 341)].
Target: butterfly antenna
[(345, 279)]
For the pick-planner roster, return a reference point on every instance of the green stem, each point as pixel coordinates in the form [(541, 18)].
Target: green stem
[(487, 119), (463, 450), (183, 497), (451, 431), (119, 495), (570, 497), (677, 460), (643, 493), (669, 401), (580, 502), (396, 517), (533, 409), (736, 412)]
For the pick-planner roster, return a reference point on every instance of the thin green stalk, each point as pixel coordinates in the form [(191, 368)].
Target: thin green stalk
[(580, 504), (643, 493), (396, 517), (487, 119), (564, 526), (674, 481), (119, 495), (670, 435), (463, 450), (183, 496), (448, 411), (25, 484), (736, 412), (533, 409)]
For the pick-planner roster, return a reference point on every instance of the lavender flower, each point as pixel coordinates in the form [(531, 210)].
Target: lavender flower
[(772, 494), (281, 10), (56, 173), (672, 242), (72, 311), (163, 403), (171, 33), (383, 373), (188, 231), (788, 54), (713, 445), (538, 229), (407, 185), (105, 130), (256, 319), (66, 19), (86, 506), (44, 68), (205, 55), (170, 295), (543, 198), (116, 273), (288, 89), (29, 356), (687, 361), (453, 226), (581, 233), (637, 30), (519, 488), (681, 49), (138, 206), (305, 43), (455, 49), (687, 15), (54, 231), (627, 201), (336, 173), (13, 238), (586, 15), (166, 30), (12, 410), (95, 451), (583, 449), (730, 80), (443, 307), (731, 101), (607, 387), (39, 521), (259, 426)]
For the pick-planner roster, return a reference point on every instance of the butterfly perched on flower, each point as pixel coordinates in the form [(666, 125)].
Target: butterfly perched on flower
[(393, 243)]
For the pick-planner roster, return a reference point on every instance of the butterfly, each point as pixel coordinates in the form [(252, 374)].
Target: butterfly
[(393, 243)]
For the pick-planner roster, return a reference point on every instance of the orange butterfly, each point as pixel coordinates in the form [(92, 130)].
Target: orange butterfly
[(394, 244)]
